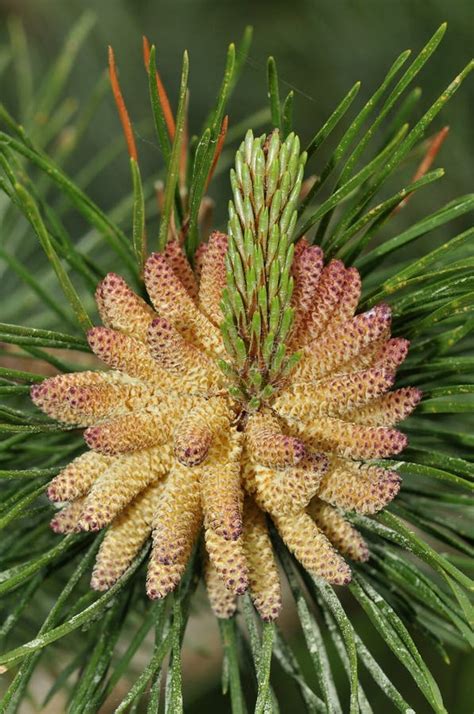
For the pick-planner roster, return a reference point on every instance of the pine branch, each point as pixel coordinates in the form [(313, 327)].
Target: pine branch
[(417, 579)]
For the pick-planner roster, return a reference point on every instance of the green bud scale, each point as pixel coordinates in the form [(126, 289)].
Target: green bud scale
[(266, 185)]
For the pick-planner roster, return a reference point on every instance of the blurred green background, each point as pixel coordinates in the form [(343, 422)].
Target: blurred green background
[(322, 47)]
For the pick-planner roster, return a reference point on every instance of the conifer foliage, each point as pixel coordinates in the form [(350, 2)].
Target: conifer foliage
[(242, 395)]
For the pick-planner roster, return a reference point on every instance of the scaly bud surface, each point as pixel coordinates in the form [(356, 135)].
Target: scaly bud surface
[(257, 309)]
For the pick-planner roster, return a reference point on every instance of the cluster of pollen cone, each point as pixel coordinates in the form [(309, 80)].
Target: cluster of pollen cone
[(173, 452)]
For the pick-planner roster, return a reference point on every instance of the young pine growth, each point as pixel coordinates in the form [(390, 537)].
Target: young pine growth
[(177, 443), (256, 304), (247, 398)]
